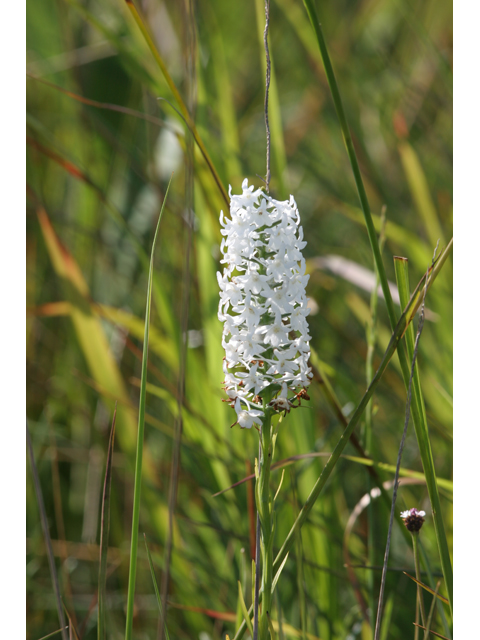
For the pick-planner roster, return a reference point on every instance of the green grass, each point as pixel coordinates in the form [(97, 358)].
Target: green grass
[(97, 178)]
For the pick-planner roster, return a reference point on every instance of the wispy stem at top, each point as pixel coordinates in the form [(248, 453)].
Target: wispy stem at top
[(267, 88)]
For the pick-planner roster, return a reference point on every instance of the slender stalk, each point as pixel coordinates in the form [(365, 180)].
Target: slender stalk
[(417, 617), (418, 575), (265, 514), (267, 88)]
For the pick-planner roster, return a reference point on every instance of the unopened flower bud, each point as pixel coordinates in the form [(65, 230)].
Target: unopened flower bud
[(413, 519)]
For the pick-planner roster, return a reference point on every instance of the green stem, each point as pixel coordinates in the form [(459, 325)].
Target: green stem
[(265, 512), (418, 575)]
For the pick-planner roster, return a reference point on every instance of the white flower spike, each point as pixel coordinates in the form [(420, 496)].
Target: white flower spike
[(263, 304)]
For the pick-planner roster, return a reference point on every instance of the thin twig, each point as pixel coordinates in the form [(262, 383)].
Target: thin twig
[(46, 535), (267, 88), (400, 452)]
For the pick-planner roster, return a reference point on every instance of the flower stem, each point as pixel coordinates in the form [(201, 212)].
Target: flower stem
[(265, 512), (416, 558)]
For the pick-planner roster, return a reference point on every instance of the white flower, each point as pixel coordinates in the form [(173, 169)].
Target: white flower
[(263, 304)]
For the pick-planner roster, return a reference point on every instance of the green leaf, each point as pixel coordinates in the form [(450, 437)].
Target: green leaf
[(155, 585), (246, 617)]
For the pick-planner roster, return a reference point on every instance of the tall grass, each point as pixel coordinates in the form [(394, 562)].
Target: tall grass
[(97, 176)]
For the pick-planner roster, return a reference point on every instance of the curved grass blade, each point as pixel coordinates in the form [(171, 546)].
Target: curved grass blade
[(54, 633), (72, 632), (427, 588), (418, 185), (104, 531), (155, 585), (404, 473), (140, 436), (246, 616), (434, 633), (106, 105)]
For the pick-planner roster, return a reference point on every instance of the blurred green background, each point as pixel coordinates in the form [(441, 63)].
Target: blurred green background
[(96, 180)]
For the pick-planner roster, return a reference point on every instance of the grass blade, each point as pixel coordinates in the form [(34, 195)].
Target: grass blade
[(246, 615), (104, 531), (46, 534), (72, 632), (427, 588), (419, 189), (140, 436), (155, 585), (54, 633), (434, 633)]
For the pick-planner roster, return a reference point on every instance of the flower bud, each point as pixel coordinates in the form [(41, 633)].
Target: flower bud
[(413, 519)]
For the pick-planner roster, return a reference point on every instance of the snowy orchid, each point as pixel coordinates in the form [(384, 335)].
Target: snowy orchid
[(263, 304)]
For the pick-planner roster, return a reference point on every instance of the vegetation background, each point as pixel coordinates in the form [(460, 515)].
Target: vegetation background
[(97, 176)]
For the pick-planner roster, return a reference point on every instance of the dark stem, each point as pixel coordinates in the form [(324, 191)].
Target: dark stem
[(267, 88)]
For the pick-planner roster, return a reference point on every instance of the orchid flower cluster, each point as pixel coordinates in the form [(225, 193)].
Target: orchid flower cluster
[(263, 304)]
